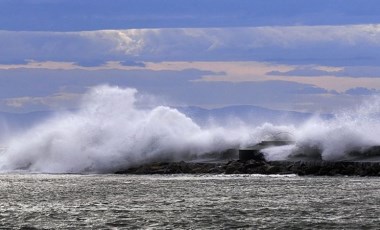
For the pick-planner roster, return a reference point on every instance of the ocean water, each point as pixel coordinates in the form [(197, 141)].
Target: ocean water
[(58, 201)]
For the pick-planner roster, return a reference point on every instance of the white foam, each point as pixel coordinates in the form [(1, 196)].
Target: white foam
[(109, 132)]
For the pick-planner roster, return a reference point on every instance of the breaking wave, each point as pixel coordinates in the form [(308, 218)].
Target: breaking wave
[(350, 131), (110, 132)]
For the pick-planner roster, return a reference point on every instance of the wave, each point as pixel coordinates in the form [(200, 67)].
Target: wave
[(109, 131)]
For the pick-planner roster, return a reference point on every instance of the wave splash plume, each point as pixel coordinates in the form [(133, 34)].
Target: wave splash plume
[(345, 136), (110, 132)]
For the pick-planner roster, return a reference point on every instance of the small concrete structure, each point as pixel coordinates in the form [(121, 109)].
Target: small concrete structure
[(250, 154), (254, 152)]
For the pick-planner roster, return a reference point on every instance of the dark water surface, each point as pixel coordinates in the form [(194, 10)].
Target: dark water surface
[(188, 201)]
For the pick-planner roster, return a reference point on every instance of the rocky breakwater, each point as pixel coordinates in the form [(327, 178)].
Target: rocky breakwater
[(232, 167), (252, 161), (317, 168)]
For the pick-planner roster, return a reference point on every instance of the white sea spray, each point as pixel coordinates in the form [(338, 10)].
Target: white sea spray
[(109, 132)]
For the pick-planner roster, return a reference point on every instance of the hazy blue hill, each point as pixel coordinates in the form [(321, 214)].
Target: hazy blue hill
[(247, 113), (21, 120)]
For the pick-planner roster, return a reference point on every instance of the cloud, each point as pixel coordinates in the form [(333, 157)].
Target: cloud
[(238, 72), (15, 83), (49, 102), (302, 71), (132, 63), (323, 45), (80, 47), (361, 91), (270, 53), (41, 89), (317, 71), (221, 71)]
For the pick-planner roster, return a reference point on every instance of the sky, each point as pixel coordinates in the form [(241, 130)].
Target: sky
[(313, 56)]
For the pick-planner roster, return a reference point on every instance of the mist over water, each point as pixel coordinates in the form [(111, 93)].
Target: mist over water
[(110, 132)]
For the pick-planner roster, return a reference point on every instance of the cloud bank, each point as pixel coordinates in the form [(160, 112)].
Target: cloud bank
[(332, 45)]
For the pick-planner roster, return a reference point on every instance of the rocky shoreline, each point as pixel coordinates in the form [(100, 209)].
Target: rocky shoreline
[(317, 168)]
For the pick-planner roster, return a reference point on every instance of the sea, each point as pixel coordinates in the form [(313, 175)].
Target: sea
[(107, 201)]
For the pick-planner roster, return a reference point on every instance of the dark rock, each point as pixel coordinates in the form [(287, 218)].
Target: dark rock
[(323, 168), (234, 167), (216, 170), (274, 170), (349, 170)]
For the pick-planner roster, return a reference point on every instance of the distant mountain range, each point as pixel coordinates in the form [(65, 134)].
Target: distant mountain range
[(247, 113), (20, 120)]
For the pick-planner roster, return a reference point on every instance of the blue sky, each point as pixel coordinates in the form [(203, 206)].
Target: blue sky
[(74, 15), (285, 54)]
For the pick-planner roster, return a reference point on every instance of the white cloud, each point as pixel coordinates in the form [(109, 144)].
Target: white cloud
[(249, 43), (227, 57), (53, 101), (128, 42)]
